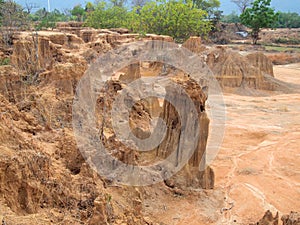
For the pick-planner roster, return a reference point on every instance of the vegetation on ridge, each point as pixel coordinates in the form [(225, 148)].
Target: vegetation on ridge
[(177, 18)]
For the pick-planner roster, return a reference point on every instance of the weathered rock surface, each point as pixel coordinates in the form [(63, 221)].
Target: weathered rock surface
[(113, 36), (194, 174), (284, 58), (42, 173), (43, 176), (131, 73), (235, 70), (194, 44), (261, 61), (268, 219), (292, 219), (232, 70)]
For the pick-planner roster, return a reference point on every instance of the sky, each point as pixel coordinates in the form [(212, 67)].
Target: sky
[(226, 5)]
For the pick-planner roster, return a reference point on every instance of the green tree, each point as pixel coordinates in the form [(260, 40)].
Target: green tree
[(38, 15), (206, 4), (139, 3), (45, 19), (210, 6), (175, 18), (288, 20), (259, 16), (108, 17), (231, 18), (78, 12), (89, 7), (118, 3)]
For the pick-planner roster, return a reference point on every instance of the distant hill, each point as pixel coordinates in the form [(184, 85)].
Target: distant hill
[(226, 5)]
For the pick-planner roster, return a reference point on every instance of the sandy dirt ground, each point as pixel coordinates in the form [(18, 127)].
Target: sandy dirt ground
[(258, 165)]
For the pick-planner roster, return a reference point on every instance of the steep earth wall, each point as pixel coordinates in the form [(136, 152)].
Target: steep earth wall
[(42, 173)]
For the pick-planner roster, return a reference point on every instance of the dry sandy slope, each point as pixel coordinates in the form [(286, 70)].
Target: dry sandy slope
[(258, 165)]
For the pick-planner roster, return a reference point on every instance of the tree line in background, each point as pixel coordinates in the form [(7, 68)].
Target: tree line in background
[(177, 18), (285, 19)]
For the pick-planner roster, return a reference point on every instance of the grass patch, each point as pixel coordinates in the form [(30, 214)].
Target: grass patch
[(4, 61), (282, 49), (290, 41)]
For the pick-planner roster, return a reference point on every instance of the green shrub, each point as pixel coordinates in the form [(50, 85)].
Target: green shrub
[(4, 61), (177, 19)]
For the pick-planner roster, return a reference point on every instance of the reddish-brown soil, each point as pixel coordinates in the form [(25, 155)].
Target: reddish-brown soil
[(257, 167), (258, 163), (44, 180)]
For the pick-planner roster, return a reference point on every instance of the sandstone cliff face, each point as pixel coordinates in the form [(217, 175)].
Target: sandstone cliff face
[(32, 55), (194, 44), (259, 60), (43, 176), (234, 70), (268, 219), (291, 219), (194, 174), (9, 83), (42, 173), (131, 73)]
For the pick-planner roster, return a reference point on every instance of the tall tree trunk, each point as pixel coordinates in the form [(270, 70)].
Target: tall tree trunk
[(255, 36)]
